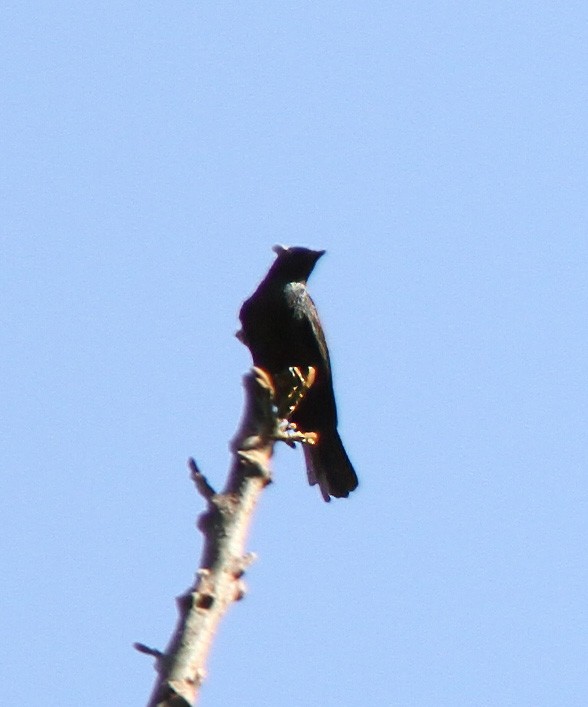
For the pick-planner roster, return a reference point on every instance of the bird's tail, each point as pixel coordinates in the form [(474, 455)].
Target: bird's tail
[(328, 465)]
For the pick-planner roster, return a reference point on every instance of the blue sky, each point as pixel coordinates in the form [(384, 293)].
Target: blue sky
[(152, 153)]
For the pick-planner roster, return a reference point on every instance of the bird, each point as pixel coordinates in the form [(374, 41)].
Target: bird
[(282, 329)]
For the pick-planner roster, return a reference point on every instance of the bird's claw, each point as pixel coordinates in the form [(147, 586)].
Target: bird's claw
[(289, 433)]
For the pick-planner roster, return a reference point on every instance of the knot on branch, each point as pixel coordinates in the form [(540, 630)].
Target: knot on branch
[(240, 564), (203, 601)]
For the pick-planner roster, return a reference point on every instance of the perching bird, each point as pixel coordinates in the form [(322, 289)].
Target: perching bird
[(282, 329)]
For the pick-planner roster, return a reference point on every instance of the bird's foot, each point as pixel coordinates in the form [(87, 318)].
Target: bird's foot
[(289, 433)]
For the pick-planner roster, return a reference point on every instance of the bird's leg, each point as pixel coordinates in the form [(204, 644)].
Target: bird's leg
[(291, 387)]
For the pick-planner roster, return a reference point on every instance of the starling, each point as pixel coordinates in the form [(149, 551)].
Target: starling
[(282, 330)]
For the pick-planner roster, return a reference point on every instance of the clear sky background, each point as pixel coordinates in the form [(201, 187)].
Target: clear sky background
[(151, 155)]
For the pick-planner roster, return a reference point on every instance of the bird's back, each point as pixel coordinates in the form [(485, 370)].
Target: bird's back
[(281, 328)]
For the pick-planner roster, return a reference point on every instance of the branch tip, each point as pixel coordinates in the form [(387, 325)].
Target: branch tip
[(200, 481), (142, 648)]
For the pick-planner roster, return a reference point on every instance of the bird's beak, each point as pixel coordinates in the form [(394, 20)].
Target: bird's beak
[(279, 249), (317, 255)]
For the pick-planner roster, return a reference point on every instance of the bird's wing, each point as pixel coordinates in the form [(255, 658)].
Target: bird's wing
[(306, 316)]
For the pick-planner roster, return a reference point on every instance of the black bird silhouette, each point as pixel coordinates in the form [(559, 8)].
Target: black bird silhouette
[(282, 330)]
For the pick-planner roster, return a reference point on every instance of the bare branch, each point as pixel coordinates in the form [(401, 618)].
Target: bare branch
[(225, 525)]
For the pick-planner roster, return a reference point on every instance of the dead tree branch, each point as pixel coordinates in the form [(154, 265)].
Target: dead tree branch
[(225, 524)]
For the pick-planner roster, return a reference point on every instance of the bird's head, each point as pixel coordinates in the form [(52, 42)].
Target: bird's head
[(294, 264)]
